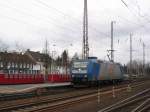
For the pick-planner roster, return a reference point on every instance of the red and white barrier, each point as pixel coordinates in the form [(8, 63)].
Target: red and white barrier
[(33, 78)]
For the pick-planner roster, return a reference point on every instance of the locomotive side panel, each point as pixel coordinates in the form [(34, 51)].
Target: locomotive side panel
[(103, 73), (110, 71), (93, 71), (117, 72)]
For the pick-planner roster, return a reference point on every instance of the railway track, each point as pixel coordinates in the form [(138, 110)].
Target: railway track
[(137, 103), (34, 93), (59, 102), (143, 107), (45, 92)]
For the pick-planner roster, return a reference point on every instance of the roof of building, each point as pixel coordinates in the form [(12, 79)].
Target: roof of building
[(15, 57), (37, 56)]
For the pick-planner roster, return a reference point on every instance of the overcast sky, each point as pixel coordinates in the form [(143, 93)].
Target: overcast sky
[(29, 22)]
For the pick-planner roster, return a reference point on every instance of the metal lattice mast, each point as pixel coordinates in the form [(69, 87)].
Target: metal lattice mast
[(85, 49)]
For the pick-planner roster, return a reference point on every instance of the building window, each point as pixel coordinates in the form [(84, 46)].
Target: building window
[(8, 65), (20, 65), (28, 65), (12, 64), (24, 65), (15, 64), (2, 64)]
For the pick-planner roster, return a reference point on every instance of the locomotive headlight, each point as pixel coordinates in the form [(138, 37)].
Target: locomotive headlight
[(79, 69), (85, 76)]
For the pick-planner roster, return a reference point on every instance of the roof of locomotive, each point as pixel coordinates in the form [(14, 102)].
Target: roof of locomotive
[(97, 60)]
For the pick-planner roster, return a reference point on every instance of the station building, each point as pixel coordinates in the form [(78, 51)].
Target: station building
[(29, 62)]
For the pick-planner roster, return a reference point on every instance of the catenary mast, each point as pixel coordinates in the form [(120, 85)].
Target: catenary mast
[(112, 41), (131, 54), (85, 47)]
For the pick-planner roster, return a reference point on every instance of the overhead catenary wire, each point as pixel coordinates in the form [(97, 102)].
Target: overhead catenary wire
[(134, 12), (52, 20), (137, 8), (25, 22), (49, 20), (33, 25), (132, 22), (66, 15)]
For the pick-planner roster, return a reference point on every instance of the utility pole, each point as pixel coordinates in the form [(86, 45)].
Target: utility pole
[(143, 58), (85, 47), (130, 72), (131, 53), (112, 46)]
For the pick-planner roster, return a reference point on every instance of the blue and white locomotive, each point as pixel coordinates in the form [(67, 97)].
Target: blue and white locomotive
[(91, 70)]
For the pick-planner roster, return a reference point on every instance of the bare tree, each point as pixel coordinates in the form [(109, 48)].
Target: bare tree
[(19, 47), (65, 59)]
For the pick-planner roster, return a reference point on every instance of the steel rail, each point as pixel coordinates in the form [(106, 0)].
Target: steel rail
[(30, 104), (127, 101), (143, 107), (64, 103)]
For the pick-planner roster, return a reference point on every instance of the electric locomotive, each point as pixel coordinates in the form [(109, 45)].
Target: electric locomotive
[(92, 70)]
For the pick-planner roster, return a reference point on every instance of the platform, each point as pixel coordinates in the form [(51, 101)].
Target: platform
[(7, 89)]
